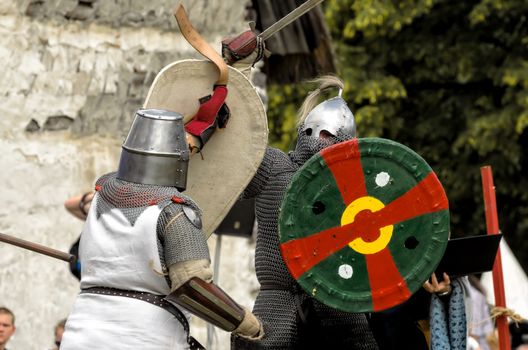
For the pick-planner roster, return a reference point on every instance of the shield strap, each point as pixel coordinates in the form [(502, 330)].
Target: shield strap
[(195, 39)]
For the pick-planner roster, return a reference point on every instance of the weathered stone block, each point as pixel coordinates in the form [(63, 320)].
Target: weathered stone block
[(74, 73)]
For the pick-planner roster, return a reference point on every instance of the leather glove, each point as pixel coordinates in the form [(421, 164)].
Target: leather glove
[(250, 328)]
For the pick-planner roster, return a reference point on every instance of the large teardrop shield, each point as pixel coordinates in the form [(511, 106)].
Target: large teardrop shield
[(363, 224), (232, 155)]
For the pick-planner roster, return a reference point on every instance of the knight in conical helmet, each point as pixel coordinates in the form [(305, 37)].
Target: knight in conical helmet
[(145, 260), (292, 319), (324, 124)]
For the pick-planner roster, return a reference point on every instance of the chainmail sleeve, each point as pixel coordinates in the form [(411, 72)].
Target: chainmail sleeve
[(261, 178), (179, 237)]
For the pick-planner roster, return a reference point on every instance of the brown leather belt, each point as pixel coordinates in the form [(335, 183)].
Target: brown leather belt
[(153, 299)]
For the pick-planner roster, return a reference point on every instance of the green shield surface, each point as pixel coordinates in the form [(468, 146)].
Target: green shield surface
[(363, 224)]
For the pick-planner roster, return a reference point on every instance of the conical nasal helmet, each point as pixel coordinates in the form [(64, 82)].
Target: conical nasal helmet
[(155, 152), (332, 115)]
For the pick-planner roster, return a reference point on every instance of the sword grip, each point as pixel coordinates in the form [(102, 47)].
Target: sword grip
[(239, 47)]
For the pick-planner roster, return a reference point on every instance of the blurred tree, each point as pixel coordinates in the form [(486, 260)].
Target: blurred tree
[(449, 79)]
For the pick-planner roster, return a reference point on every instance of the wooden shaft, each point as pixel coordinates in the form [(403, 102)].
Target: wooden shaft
[(57, 254), (492, 224)]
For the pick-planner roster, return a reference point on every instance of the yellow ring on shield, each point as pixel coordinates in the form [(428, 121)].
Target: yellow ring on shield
[(358, 244)]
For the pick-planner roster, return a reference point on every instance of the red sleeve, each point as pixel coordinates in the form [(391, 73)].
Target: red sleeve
[(206, 115)]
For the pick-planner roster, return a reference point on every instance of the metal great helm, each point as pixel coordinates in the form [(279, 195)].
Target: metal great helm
[(155, 152), (332, 115)]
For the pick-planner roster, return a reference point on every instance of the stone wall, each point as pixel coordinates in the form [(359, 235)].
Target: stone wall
[(74, 72)]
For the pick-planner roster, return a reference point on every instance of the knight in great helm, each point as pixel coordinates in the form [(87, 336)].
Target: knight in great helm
[(145, 264), (143, 241)]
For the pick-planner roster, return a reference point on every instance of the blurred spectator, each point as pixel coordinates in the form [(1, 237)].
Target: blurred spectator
[(493, 340), (519, 335), (407, 326), (7, 326), (59, 330), (480, 325), (79, 205), (472, 343)]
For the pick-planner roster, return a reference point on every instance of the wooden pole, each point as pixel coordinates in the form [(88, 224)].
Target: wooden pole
[(57, 254), (492, 224)]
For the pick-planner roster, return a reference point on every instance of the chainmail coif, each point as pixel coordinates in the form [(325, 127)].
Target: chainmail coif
[(291, 318), (133, 198), (307, 146), (178, 239)]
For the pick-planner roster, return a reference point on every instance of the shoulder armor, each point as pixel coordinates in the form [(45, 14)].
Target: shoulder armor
[(193, 216)]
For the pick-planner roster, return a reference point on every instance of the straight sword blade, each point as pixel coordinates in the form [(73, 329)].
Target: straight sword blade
[(290, 17)]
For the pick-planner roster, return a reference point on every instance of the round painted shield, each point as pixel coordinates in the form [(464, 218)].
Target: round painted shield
[(363, 224)]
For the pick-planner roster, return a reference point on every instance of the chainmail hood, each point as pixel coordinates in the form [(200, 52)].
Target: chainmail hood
[(307, 146), (132, 198)]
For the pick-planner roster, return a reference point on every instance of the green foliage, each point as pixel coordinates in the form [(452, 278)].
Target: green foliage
[(448, 79), (283, 104)]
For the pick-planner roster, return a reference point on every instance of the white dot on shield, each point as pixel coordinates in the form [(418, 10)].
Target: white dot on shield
[(382, 179), (345, 271)]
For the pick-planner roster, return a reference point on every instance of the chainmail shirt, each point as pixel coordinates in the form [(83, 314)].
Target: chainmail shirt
[(178, 238), (291, 318)]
